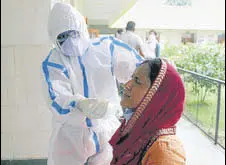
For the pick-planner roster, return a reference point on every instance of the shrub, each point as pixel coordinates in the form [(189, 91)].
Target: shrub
[(206, 59)]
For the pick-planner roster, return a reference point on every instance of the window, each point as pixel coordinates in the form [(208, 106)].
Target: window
[(188, 37), (177, 2)]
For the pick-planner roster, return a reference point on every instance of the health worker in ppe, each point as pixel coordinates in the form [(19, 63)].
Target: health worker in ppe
[(81, 79)]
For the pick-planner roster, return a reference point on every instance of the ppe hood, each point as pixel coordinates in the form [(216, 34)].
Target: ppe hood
[(64, 17)]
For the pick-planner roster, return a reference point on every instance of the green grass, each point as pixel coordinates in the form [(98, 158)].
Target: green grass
[(205, 112)]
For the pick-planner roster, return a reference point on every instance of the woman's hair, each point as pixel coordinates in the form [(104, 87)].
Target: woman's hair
[(154, 68)]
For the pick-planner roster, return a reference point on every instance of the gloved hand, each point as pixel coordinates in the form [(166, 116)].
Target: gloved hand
[(93, 108)]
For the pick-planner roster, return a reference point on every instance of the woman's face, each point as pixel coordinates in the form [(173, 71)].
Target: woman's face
[(137, 87)]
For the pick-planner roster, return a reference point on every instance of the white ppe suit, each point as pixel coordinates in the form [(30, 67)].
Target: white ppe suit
[(82, 86)]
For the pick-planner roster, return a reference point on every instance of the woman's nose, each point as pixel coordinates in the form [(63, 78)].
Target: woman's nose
[(128, 85)]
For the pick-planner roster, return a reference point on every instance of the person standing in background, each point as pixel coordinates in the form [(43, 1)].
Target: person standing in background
[(118, 33), (152, 45), (133, 39)]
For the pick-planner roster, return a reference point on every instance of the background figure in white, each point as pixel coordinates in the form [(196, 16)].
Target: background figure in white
[(152, 46), (133, 39), (81, 80)]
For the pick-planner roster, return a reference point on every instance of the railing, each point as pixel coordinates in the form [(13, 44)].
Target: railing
[(205, 106)]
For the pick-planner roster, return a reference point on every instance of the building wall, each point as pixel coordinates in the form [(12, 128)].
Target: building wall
[(174, 36), (208, 36), (25, 119)]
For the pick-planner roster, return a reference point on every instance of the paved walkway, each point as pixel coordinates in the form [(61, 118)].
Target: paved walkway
[(200, 150)]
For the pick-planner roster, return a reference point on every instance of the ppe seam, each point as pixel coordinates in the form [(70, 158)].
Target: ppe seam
[(54, 104), (86, 94)]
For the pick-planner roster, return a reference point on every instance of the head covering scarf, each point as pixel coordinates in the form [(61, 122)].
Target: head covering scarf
[(156, 115)]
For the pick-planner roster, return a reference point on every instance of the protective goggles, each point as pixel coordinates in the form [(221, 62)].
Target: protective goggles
[(65, 35)]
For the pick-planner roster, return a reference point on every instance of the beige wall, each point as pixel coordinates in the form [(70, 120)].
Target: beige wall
[(24, 22), (25, 119)]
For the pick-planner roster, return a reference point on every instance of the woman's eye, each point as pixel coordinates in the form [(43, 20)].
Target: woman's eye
[(137, 80)]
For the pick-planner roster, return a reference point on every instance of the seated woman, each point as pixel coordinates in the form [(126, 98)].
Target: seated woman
[(154, 99)]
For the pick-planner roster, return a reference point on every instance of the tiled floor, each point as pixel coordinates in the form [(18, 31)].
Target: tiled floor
[(200, 150)]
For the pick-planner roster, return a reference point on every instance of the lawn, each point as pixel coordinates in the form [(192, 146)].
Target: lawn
[(203, 113)]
